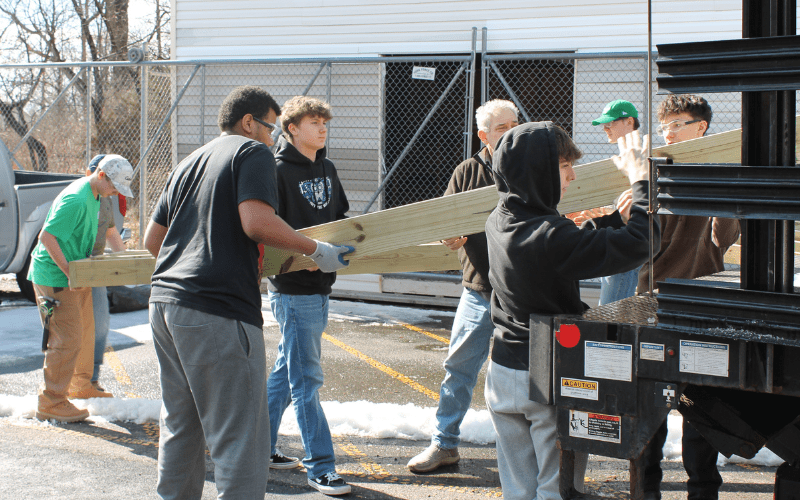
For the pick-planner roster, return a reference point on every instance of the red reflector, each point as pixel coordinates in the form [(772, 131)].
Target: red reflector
[(568, 335)]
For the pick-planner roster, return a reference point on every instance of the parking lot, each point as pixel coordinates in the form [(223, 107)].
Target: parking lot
[(383, 366)]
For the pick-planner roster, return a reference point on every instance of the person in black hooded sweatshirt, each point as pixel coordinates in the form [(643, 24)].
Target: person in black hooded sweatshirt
[(536, 259), (310, 194)]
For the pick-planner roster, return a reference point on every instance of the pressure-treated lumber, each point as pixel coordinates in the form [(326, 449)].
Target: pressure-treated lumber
[(420, 258), (599, 183), (388, 230), (131, 267)]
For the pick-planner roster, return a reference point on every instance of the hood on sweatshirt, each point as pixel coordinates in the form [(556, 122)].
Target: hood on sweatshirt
[(285, 150), (525, 165)]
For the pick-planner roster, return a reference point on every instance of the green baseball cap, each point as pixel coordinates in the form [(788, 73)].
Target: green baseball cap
[(616, 110)]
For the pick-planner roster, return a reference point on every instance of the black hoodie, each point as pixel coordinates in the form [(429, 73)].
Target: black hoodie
[(310, 194), (536, 256)]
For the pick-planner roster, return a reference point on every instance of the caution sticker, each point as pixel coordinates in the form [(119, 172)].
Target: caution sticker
[(577, 388), (595, 426)]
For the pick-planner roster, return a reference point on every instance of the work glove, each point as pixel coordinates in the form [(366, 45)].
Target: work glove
[(330, 258), (632, 159)]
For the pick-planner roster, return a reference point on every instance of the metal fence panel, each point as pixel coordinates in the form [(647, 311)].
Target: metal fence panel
[(397, 132)]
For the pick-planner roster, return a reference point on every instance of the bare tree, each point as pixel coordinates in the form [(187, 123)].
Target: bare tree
[(69, 30)]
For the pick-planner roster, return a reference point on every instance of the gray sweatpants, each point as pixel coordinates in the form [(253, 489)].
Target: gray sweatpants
[(213, 388), (527, 457)]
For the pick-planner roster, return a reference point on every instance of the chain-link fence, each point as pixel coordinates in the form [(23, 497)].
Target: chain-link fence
[(572, 89), (401, 124)]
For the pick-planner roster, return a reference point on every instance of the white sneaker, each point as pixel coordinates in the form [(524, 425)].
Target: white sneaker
[(330, 484)]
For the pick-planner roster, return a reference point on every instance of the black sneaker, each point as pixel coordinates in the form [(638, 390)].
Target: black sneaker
[(281, 461), (330, 484)]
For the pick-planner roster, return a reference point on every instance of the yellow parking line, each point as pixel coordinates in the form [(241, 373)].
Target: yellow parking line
[(424, 332), (112, 360), (380, 366)]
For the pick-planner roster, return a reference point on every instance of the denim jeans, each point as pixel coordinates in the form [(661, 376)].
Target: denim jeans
[(102, 319), (619, 286), (469, 348), (297, 376)]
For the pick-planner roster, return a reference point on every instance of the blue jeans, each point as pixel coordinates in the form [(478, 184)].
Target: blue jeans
[(619, 286), (297, 376), (469, 348), (102, 319)]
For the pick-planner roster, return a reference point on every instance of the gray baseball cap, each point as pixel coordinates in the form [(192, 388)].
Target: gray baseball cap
[(120, 171)]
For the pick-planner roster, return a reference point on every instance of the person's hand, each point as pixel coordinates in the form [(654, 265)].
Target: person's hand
[(581, 217), (624, 203), (454, 243), (632, 159), (330, 258)]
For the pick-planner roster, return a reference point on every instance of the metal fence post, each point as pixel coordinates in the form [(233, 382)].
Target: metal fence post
[(470, 99), (484, 68), (142, 159), (89, 116), (203, 106), (328, 100)]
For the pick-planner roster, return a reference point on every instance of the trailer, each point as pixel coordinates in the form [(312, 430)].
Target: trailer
[(722, 349)]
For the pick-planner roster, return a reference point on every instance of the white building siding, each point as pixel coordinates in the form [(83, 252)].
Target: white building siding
[(310, 28)]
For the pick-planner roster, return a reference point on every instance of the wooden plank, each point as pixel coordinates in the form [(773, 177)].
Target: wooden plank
[(132, 267), (387, 230), (466, 213), (600, 181), (420, 258)]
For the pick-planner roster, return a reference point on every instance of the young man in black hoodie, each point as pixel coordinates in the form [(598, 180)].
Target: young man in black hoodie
[(536, 259), (310, 194)]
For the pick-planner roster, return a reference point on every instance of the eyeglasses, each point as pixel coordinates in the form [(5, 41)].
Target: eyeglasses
[(270, 126), (673, 126)]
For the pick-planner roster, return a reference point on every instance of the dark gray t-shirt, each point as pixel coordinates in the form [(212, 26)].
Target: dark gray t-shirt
[(207, 262)]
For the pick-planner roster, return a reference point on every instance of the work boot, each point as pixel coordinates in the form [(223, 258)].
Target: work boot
[(432, 458), (90, 391), (63, 412)]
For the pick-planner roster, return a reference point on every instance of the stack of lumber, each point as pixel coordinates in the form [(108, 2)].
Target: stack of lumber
[(398, 239)]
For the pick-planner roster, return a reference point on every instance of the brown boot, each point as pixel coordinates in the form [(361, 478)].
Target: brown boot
[(89, 391), (63, 412)]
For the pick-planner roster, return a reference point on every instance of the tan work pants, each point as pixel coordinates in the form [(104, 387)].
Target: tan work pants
[(69, 358)]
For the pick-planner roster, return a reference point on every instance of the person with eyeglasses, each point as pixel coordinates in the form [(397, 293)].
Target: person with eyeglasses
[(310, 194), (205, 302), (691, 246)]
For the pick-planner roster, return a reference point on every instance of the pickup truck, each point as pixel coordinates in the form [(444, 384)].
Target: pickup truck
[(25, 199)]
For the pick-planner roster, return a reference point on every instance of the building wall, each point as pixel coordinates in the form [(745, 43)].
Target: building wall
[(313, 28)]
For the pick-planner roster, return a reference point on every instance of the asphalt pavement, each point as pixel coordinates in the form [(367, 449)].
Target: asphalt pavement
[(390, 361)]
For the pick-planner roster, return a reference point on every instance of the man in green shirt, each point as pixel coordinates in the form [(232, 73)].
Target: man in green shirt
[(69, 233)]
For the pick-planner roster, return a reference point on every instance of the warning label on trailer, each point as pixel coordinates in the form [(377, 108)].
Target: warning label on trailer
[(608, 360), (704, 358), (576, 388), (595, 426), (651, 352)]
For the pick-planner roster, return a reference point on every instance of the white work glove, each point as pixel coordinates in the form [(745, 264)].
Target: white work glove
[(330, 258), (632, 159)]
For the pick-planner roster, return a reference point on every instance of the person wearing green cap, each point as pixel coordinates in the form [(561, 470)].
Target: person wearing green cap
[(619, 119)]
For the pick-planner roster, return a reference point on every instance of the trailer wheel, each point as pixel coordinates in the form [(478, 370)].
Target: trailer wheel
[(24, 283)]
